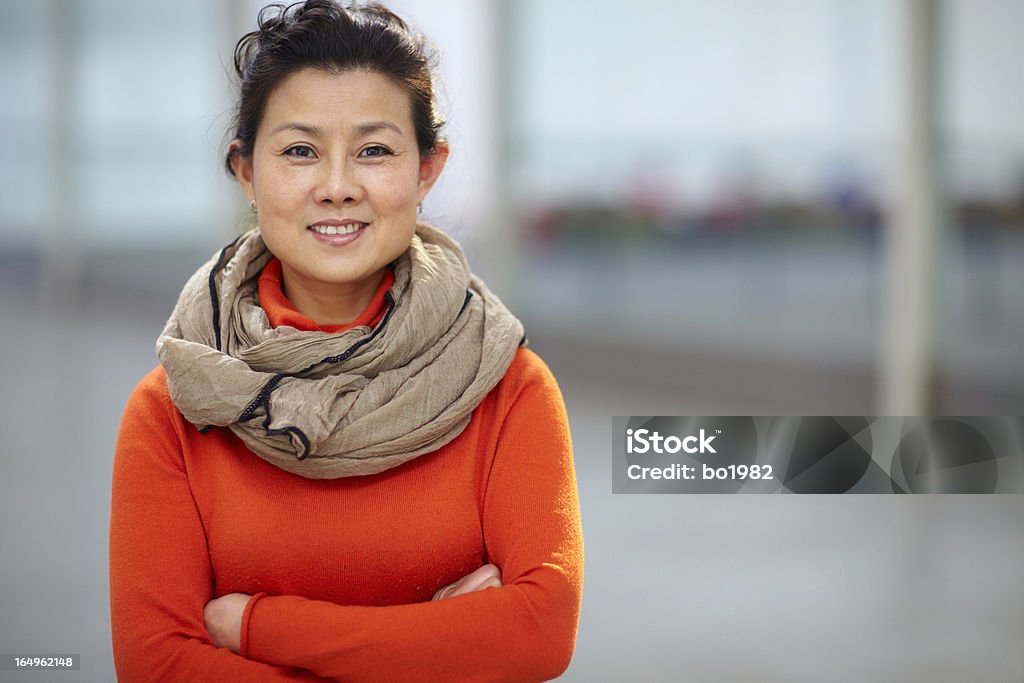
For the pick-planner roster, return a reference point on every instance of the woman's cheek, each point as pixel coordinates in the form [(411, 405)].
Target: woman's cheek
[(396, 185)]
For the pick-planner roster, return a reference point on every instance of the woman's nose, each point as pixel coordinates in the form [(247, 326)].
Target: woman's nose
[(338, 183)]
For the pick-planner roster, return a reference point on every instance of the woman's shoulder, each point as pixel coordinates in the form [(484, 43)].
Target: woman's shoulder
[(150, 424), (528, 373), (152, 386), (151, 395), (529, 366)]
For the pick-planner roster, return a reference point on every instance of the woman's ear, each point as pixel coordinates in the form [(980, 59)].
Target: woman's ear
[(430, 169), (242, 166)]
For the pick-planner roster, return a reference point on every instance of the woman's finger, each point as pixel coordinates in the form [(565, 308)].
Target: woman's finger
[(487, 576), (478, 580)]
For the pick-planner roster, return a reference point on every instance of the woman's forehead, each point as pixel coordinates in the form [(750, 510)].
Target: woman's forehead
[(351, 102)]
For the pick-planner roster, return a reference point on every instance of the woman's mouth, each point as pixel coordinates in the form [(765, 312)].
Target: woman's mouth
[(337, 235), (338, 229)]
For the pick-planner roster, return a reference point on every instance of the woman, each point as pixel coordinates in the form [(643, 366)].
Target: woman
[(347, 465)]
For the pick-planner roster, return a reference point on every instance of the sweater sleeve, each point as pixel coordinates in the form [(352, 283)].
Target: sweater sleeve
[(522, 631), (160, 574)]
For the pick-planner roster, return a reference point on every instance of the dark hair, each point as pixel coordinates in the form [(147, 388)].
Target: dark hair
[(324, 35)]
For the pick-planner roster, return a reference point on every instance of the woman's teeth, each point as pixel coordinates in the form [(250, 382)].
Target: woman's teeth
[(338, 229)]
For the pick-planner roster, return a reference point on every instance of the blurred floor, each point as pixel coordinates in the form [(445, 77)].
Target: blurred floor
[(741, 588)]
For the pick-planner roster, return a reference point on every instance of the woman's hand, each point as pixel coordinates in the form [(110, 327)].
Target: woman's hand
[(488, 576), (223, 617)]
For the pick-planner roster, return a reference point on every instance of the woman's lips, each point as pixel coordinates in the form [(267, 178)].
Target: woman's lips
[(342, 234)]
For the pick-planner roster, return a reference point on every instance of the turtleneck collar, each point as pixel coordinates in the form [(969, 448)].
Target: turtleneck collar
[(280, 311)]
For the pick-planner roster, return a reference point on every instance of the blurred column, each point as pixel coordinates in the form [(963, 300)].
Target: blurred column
[(914, 235), (508, 239), (61, 272)]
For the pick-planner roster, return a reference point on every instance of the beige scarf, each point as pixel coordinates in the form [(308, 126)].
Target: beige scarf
[(325, 406)]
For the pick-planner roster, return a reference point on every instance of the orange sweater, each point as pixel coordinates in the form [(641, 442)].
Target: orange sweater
[(342, 571)]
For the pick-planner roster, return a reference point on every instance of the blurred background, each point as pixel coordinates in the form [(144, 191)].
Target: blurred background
[(732, 208)]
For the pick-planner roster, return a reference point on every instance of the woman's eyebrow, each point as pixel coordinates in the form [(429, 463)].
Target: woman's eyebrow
[(360, 130), (374, 126), (306, 128)]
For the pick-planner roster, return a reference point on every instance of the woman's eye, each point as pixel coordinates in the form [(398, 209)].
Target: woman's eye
[(374, 151), (300, 151)]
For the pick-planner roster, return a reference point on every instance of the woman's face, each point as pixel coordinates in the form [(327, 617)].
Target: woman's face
[(336, 176)]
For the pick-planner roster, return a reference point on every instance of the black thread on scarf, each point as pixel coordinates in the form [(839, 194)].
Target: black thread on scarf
[(213, 290), (263, 398)]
